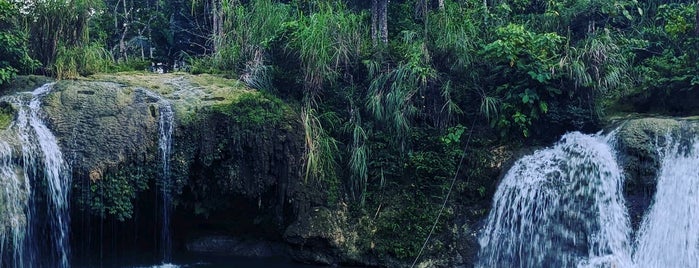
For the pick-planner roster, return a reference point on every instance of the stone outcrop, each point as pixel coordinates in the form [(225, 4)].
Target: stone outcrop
[(222, 245), (638, 140), (236, 164), (102, 126), (641, 143), (236, 160)]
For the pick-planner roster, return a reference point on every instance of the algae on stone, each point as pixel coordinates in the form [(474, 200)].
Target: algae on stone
[(639, 139), (239, 139), (640, 143), (7, 114)]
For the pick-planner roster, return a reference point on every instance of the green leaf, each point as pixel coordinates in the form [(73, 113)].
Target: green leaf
[(626, 14)]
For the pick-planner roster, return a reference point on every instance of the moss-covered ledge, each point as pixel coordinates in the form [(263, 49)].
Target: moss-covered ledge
[(231, 143)]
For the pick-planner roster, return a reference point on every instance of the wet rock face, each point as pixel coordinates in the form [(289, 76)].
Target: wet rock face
[(223, 245), (102, 125), (318, 236), (324, 236), (234, 149), (640, 145)]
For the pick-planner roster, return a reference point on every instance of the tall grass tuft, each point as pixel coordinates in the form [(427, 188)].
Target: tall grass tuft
[(396, 95), (358, 158), (74, 61), (598, 63), (247, 33), (454, 33), (56, 23), (320, 148), (328, 42), (360, 173)]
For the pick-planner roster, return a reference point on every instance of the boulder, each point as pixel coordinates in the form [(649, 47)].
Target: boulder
[(640, 144), (224, 245), (639, 140)]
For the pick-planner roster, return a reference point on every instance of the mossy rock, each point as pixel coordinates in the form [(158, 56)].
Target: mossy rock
[(249, 140), (7, 114), (641, 143), (24, 83), (324, 236), (639, 140)]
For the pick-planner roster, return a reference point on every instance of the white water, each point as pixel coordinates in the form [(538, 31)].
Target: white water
[(669, 234), (14, 206), (165, 128), (58, 181), (560, 207), (563, 207), (42, 164), (34, 227)]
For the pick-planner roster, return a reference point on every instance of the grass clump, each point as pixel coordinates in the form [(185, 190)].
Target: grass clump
[(72, 62), (255, 110)]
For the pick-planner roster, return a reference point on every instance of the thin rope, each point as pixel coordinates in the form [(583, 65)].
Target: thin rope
[(446, 198)]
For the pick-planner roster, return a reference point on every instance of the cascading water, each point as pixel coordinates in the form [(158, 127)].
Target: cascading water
[(560, 207), (39, 231), (165, 128), (14, 205), (669, 234), (563, 207)]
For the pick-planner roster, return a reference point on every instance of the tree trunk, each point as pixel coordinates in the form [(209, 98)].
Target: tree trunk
[(696, 22), (422, 7), (379, 21), (125, 29), (141, 43), (383, 20), (216, 24), (440, 4), (122, 43), (485, 12), (374, 21)]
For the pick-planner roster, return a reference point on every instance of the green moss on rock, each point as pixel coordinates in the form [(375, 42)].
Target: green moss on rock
[(24, 83), (7, 114), (255, 109), (110, 127), (640, 144), (639, 139)]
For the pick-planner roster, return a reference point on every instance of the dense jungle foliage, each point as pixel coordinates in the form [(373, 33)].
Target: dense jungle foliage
[(390, 93)]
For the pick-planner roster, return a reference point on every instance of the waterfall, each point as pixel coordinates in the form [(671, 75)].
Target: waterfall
[(165, 128), (14, 206), (559, 207), (563, 207), (669, 233), (39, 229)]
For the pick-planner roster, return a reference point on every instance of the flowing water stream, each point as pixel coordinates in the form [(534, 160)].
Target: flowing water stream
[(669, 234), (165, 127), (559, 207), (563, 207), (39, 218), (13, 224)]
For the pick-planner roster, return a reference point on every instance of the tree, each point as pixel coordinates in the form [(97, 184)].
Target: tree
[(14, 54), (379, 21), (696, 22), (125, 25), (55, 23)]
